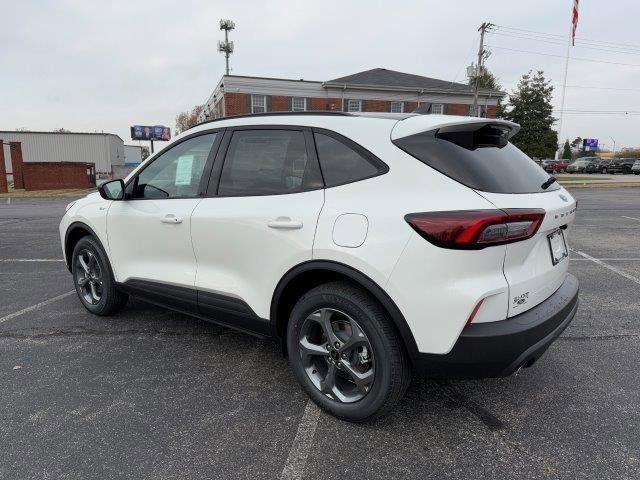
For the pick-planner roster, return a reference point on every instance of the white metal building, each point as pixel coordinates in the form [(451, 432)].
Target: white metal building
[(102, 149)]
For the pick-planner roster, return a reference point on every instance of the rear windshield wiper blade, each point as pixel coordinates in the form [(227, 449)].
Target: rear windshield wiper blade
[(548, 183)]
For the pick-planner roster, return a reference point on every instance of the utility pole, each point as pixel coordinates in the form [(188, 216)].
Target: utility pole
[(482, 54), (226, 47)]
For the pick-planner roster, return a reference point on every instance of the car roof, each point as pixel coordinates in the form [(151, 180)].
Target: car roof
[(402, 124)]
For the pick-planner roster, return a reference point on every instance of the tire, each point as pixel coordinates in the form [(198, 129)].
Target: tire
[(387, 368), (95, 285)]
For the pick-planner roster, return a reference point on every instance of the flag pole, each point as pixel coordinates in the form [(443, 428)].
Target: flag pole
[(572, 25), (564, 88)]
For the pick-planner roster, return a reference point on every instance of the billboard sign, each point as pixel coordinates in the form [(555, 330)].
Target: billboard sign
[(147, 132), (590, 143)]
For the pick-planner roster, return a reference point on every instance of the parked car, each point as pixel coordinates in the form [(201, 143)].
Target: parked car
[(636, 167), (317, 230), (580, 165), (554, 166), (621, 165), (599, 166)]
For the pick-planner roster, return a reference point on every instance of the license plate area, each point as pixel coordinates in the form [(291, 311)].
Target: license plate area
[(557, 246)]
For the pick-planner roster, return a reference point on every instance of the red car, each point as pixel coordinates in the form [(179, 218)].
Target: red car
[(554, 166)]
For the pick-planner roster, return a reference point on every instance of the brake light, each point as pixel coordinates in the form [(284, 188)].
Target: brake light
[(476, 229)]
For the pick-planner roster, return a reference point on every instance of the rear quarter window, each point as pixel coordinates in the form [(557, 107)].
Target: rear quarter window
[(342, 161), (482, 159)]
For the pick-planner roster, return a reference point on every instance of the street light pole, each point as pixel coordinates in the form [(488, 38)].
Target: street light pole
[(614, 146)]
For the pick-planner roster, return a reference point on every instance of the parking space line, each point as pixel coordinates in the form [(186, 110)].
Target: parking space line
[(299, 452), (631, 218), (610, 267), (35, 307), (31, 260), (637, 259)]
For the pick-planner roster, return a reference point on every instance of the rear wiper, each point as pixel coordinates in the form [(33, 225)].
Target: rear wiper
[(548, 183)]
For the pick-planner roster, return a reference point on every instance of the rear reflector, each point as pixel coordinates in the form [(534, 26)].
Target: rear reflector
[(474, 312), (476, 229)]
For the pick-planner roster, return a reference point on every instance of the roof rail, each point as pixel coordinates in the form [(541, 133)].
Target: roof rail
[(268, 114)]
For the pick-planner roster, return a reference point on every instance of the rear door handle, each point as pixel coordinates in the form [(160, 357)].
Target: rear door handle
[(284, 223), (171, 218)]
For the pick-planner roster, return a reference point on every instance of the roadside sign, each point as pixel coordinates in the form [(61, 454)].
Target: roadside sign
[(147, 132), (590, 144)]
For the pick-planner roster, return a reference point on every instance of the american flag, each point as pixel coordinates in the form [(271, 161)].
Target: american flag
[(574, 21)]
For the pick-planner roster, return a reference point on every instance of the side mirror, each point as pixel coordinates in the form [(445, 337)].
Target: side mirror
[(113, 190)]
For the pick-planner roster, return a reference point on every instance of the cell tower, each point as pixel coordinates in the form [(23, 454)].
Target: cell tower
[(226, 47)]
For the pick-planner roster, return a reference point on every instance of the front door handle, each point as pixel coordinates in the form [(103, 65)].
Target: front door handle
[(171, 218), (284, 223)]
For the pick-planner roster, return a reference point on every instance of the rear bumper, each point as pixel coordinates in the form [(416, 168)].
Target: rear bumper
[(497, 349)]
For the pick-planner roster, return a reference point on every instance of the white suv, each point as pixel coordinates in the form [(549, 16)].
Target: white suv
[(371, 245)]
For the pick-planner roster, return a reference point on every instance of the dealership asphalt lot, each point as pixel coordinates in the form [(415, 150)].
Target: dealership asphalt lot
[(154, 394)]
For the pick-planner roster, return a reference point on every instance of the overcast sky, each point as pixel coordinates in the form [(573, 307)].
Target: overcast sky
[(103, 66)]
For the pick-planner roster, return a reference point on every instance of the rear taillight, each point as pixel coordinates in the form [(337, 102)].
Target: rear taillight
[(476, 229)]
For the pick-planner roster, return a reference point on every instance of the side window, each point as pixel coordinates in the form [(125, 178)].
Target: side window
[(265, 162), (175, 173), (340, 163)]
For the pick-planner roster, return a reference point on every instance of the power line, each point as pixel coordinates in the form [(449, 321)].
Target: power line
[(605, 112), (554, 42), (562, 56), (592, 87), (562, 37)]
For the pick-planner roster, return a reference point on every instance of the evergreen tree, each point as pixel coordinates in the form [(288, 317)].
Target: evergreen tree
[(530, 106), (566, 153)]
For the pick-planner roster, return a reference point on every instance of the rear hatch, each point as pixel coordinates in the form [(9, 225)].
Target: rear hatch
[(477, 153), (535, 268)]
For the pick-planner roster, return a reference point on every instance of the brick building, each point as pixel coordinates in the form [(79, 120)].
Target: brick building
[(377, 90)]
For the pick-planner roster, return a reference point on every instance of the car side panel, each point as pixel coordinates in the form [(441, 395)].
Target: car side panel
[(410, 269)]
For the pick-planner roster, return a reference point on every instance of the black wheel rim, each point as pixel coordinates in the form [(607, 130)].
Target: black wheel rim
[(337, 355), (89, 276)]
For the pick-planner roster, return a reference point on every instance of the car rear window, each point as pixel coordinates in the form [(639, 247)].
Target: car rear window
[(480, 157)]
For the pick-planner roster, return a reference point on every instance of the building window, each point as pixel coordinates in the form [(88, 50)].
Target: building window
[(481, 108), (258, 103), (437, 108), (298, 104), (396, 107), (354, 105)]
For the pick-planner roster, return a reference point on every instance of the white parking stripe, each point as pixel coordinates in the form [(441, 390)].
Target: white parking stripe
[(610, 267), (637, 259), (31, 260), (631, 218), (299, 452), (35, 307)]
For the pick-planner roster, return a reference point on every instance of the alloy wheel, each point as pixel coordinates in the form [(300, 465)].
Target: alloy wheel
[(89, 276), (336, 355)]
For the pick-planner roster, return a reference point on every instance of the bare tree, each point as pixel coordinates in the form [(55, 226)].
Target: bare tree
[(188, 119)]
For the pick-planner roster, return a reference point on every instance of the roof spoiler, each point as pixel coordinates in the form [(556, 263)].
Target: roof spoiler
[(425, 123)]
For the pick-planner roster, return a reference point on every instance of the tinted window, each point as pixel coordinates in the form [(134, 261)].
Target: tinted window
[(341, 164), (482, 159), (264, 162), (177, 172)]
